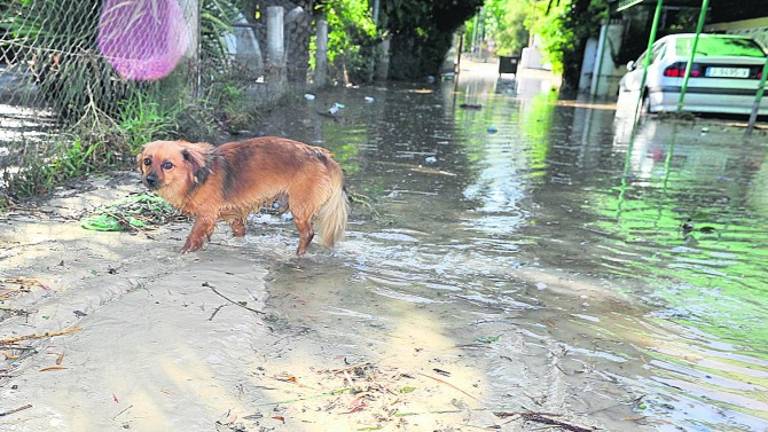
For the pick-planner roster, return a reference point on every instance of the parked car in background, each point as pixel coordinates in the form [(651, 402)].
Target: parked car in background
[(724, 76)]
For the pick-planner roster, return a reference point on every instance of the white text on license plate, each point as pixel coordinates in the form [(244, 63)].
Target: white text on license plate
[(727, 72)]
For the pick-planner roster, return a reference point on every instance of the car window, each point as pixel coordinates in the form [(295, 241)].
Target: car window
[(658, 52), (639, 61), (720, 46)]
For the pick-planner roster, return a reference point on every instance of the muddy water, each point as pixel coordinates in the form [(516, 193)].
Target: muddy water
[(537, 243)]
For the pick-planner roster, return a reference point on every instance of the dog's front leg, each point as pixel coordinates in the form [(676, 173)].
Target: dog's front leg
[(202, 229)]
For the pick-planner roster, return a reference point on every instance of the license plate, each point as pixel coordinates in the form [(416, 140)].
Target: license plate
[(727, 72)]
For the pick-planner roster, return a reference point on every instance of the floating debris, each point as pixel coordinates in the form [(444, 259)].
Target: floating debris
[(141, 211)]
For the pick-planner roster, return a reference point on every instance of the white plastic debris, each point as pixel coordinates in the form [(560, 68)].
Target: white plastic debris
[(309, 96), (369, 99), (430, 160), (336, 107)]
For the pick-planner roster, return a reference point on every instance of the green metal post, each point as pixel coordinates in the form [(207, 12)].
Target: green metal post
[(758, 98), (649, 53), (699, 26)]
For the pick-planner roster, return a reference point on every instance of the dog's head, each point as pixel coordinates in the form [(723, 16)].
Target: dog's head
[(173, 168)]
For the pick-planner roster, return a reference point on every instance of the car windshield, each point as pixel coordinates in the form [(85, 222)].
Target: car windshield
[(720, 46)]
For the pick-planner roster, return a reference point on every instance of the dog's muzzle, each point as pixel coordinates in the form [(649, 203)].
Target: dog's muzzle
[(151, 181)]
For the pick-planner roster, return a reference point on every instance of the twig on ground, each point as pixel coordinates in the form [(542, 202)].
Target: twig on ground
[(448, 384), (126, 409), (215, 311), (206, 284), (15, 410), (543, 419), (15, 339)]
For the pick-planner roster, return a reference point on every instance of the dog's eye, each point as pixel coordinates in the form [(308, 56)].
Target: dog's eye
[(147, 161), (166, 165)]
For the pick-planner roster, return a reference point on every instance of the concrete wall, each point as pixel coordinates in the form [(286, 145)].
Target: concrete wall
[(610, 73), (532, 57)]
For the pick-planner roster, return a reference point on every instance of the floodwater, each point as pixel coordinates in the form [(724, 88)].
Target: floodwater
[(545, 240), (532, 255)]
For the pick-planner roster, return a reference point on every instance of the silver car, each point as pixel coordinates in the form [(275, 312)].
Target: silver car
[(724, 76)]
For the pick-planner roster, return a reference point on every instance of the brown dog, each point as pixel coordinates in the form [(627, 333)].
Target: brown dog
[(230, 181)]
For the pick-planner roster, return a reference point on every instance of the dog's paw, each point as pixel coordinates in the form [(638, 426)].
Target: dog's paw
[(192, 245)]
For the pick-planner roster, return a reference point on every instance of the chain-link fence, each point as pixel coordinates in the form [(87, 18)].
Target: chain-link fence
[(106, 75)]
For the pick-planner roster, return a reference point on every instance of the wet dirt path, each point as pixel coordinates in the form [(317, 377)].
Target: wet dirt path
[(523, 259)]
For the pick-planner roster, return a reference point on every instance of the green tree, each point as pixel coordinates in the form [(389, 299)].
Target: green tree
[(564, 28), (503, 21), (351, 37)]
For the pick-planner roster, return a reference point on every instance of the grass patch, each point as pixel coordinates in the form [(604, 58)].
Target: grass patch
[(100, 141), (40, 175), (142, 119)]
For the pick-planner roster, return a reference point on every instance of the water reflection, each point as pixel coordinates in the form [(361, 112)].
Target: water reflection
[(549, 219)]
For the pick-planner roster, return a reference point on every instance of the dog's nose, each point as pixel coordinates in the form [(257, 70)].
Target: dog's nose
[(151, 181)]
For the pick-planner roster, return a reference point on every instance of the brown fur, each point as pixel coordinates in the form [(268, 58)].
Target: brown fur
[(230, 181)]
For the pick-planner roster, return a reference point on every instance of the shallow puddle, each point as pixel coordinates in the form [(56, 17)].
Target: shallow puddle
[(534, 243)]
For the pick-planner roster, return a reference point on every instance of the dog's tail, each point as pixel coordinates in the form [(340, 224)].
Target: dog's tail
[(332, 217)]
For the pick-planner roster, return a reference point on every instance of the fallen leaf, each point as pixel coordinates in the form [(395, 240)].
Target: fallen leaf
[(488, 339), (59, 359), (279, 418), (52, 368), (407, 389), (114, 398)]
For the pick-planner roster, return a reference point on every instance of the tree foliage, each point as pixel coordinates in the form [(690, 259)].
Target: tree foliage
[(351, 36), (503, 21)]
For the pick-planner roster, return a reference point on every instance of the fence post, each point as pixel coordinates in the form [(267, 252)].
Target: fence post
[(382, 65), (275, 45), (321, 54), (190, 64)]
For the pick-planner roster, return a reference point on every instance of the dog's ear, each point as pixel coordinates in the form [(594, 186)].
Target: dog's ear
[(196, 160), (140, 160)]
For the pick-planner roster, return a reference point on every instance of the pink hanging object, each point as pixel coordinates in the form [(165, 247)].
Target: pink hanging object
[(143, 39)]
